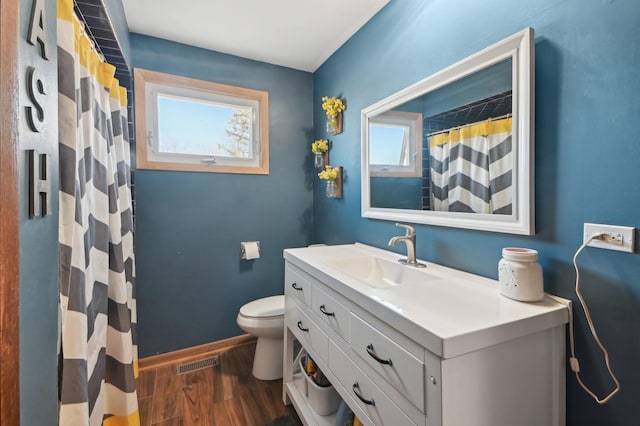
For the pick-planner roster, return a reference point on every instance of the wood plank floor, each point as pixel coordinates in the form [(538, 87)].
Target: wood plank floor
[(224, 395)]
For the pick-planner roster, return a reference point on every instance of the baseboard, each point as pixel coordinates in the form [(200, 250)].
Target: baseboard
[(193, 352)]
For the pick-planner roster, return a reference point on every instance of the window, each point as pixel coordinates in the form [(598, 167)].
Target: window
[(194, 125), (395, 144)]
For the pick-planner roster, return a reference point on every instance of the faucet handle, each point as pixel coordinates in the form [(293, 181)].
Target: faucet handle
[(409, 229)]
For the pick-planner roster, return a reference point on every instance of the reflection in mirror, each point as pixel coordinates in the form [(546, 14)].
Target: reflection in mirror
[(446, 150), (395, 160), (395, 140), (465, 143)]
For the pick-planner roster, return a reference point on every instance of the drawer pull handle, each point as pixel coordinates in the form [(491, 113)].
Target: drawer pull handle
[(324, 311), (295, 287), (374, 356), (356, 390), (301, 327)]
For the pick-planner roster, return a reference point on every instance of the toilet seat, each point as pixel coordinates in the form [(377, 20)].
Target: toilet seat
[(268, 307)]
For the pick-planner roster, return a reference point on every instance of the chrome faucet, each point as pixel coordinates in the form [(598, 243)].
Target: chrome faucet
[(409, 239)]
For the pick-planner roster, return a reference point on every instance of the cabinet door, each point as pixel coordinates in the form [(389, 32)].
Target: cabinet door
[(331, 312), (314, 340), (391, 361), (367, 396), (297, 285)]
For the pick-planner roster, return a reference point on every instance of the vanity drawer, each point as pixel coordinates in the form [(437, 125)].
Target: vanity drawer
[(330, 311), (380, 409), (395, 364), (306, 331), (297, 285)]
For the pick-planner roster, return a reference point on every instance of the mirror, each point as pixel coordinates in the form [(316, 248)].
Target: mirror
[(456, 149)]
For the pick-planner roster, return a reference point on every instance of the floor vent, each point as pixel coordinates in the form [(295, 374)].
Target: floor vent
[(198, 365)]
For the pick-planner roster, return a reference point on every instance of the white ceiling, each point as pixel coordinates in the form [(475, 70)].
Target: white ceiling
[(299, 34)]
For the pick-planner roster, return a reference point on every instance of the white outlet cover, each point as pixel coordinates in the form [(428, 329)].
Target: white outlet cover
[(627, 232)]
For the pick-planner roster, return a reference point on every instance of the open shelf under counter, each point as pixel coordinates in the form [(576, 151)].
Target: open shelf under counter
[(299, 401)]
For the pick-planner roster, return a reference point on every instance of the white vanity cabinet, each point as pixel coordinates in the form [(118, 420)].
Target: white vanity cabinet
[(449, 351)]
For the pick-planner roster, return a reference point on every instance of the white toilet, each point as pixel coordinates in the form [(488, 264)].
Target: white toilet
[(264, 318)]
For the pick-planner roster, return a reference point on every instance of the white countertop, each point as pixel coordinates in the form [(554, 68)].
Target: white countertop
[(452, 314)]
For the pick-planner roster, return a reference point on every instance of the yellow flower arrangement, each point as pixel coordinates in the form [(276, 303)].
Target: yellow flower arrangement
[(329, 173), (320, 146), (332, 106)]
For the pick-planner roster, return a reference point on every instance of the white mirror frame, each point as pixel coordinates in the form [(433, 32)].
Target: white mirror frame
[(520, 47)]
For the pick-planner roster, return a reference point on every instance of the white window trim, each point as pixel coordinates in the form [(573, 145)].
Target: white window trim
[(147, 86), (413, 150)]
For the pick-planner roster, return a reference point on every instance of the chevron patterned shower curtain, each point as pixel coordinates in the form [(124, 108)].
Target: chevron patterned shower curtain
[(98, 353), (471, 168)]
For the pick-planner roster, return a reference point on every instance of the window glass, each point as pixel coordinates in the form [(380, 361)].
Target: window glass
[(195, 125), (388, 145)]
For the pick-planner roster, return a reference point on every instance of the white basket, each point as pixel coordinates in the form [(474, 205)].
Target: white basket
[(323, 400), (299, 378)]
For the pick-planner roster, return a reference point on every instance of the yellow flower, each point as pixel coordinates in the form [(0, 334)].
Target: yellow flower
[(321, 145), (332, 106), (329, 173)]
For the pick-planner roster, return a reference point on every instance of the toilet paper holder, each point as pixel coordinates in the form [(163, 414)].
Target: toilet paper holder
[(243, 249)]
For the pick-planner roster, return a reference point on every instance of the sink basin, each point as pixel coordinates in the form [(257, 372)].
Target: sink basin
[(378, 272)]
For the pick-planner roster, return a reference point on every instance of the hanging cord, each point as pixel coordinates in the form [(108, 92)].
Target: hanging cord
[(573, 361)]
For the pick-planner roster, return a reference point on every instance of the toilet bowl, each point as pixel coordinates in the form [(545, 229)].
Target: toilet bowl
[(264, 318)]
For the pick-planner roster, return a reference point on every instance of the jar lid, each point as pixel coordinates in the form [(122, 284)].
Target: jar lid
[(521, 254)]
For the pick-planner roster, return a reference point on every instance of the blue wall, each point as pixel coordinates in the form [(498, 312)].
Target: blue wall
[(396, 193), (587, 150), (190, 279), (38, 238)]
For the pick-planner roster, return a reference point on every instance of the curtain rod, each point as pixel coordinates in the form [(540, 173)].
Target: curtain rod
[(469, 124), (86, 30)]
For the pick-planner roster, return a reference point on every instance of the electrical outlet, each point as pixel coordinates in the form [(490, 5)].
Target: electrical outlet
[(612, 238), (620, 238)]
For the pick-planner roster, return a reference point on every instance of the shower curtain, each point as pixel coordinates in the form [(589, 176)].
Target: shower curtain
[(471, 168), (98, 353)]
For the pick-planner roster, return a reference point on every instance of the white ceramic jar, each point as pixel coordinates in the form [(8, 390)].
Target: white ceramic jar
[(520, 274)]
